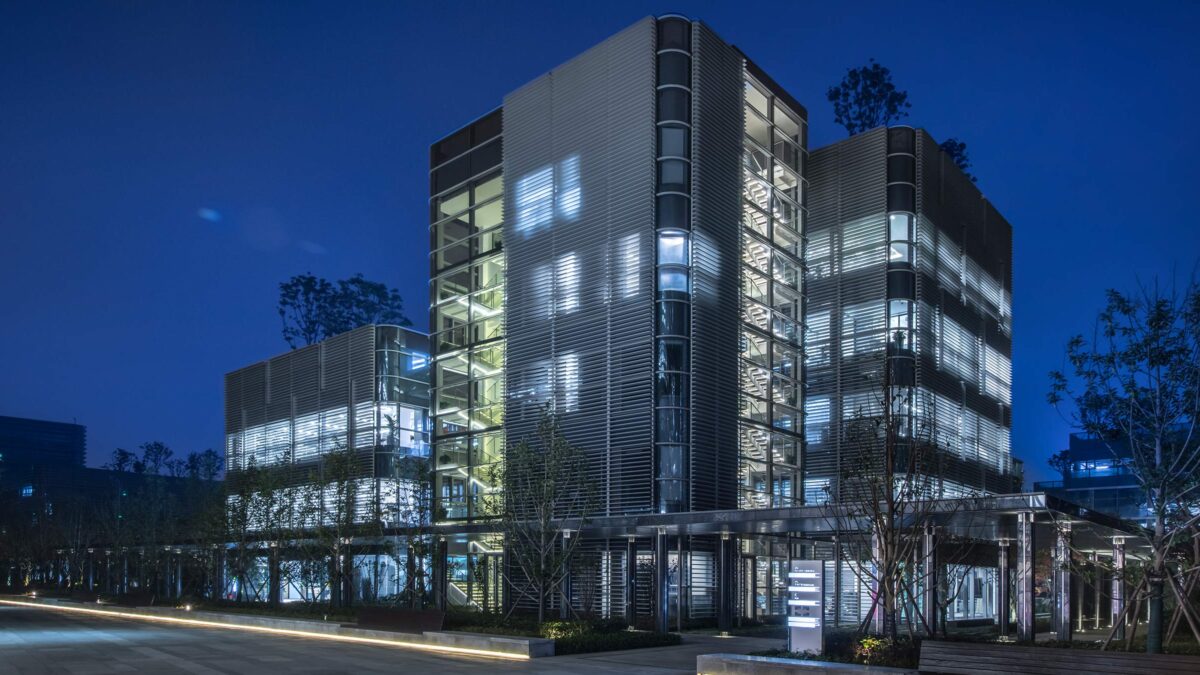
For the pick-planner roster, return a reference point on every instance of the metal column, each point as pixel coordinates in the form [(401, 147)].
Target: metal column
[(683, 582), (1118, 587), (1004, 578), (1026, 545), (725, 583), (564, 600), (631, 582), (441, 576), (1096, 582), (1062, 582), (274, 575), (837, 582), (750, 563), (929, 587), (662, 583)]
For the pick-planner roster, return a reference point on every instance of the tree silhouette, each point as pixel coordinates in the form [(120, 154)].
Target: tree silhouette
[(866, 98), (1139, 375), (313, 308), (958, 152)]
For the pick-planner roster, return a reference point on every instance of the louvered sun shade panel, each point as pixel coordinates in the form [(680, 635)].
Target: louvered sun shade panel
[(717, 112), (289, 410), (846, 292), (964, 284), (579, 160)]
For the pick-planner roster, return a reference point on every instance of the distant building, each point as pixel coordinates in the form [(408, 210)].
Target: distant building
[(30, 449), (366, 391), (1096, 475)]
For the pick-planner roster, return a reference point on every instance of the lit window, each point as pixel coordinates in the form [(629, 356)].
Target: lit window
[(534, 200), (27, 491), (673, 279), (672, 248), (566, 295), (569, 193), (566, 375), (629, 261), (542, 193)]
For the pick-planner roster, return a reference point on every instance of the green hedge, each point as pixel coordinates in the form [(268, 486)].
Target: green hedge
[(607, 642), (570, 637)]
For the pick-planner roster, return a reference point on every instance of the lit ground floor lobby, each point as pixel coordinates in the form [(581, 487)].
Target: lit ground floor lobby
[(1018, 564)]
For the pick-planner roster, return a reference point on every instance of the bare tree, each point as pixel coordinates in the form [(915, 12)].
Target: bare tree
[(1138, 379), (889, 493), (545, 490), (332, 511), (410, 516)]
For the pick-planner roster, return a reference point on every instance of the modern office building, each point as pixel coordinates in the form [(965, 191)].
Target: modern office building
[(908, 263), (365, 391), (622, 241), (626, 241), (1096, 475)]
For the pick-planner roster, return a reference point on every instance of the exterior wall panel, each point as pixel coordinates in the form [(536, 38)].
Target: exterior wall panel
[(716, 252), (580, 321)]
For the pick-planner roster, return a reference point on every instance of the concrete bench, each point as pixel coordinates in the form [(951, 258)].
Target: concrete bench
[(742, 664), (984, 658)]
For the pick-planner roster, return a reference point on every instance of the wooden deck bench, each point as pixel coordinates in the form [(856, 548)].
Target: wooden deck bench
[(983, 659), (401, 620)]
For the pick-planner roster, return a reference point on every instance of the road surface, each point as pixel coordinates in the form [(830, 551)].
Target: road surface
[(35, 641)]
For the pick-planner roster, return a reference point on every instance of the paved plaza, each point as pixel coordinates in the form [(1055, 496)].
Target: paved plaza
[(47, 641)]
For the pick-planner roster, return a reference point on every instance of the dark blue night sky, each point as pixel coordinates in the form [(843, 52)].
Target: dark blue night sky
[(164, 165)]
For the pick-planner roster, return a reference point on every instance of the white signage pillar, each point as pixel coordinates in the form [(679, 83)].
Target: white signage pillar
[(806, 606)]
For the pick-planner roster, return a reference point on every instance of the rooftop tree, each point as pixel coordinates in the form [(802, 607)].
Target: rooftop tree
[(313, 308), (866, 98)]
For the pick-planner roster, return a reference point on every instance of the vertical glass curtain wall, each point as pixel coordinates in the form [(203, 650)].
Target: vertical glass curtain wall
[(467, 321), (901, 278), (773, 205), (673, 251)]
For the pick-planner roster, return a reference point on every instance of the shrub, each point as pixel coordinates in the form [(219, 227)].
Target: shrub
[(595, 641)]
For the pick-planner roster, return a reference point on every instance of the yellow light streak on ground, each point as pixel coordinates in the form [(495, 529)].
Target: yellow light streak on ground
[(277, 631)]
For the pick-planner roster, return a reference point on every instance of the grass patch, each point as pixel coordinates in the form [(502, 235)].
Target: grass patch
[(570, 637)]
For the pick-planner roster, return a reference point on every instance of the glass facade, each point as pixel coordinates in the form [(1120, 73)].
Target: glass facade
[(774, 210), (672, 367), (467, 268), (289, 411)]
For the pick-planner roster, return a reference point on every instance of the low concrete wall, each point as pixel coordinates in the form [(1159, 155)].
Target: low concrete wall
[(500, 645), (741, 664)]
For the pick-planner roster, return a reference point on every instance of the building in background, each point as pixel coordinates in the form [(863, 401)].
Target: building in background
[(364, 392), (1096, 474), (908, 263), (27, 445), (65, 523), (38, 457)]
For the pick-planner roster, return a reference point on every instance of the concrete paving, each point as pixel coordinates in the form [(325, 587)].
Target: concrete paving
[(35, 641)]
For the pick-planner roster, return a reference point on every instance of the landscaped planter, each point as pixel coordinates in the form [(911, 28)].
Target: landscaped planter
[(741, 664)]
